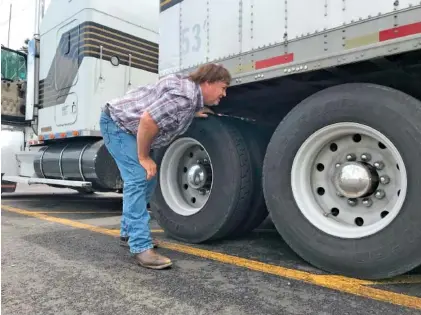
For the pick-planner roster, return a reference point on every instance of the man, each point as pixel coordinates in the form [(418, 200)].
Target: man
[(147, 118)]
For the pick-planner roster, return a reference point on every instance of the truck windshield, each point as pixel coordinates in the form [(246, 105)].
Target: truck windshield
[(13, 65)]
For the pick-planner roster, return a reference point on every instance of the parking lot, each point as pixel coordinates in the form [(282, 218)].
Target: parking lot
[(61, 255)]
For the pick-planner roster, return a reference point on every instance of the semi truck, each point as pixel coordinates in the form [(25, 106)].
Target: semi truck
[(320, 128)]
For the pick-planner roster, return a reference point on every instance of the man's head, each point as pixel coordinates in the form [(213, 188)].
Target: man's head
[(213, 80)]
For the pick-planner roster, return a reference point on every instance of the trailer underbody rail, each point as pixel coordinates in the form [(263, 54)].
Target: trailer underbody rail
[(58, 182)]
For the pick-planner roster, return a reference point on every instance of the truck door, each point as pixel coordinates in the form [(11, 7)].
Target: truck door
[(66, 64)]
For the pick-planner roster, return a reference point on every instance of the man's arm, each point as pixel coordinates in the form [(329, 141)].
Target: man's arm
[(146, 132), (162, 115)]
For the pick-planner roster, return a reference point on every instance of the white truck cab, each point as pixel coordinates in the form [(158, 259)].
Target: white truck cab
[(84, 53)]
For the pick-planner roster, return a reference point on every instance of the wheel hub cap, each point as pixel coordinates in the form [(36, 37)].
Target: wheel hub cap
[(355, 180), (196, 176)]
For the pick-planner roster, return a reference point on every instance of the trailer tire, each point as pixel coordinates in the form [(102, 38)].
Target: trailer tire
[(230, 190), (256, 138), (392, 246)]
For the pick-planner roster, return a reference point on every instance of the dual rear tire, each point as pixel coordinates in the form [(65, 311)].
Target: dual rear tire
[(229, 200), (375, 235)]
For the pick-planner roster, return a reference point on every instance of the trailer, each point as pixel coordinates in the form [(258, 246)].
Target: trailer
[(327, 140), (319, 129)]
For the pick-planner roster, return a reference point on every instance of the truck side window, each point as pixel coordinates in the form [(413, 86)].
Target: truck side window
[(67, 44)]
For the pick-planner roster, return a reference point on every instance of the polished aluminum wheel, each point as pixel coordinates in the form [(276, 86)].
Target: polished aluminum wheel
[(186, 176), (349, 180)]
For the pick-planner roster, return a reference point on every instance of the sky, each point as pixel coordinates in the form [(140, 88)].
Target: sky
[(22, 21), (21, 27)]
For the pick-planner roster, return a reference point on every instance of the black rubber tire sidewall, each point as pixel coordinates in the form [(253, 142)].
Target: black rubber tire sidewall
[(231, 190), (395, 249), (256, 138)]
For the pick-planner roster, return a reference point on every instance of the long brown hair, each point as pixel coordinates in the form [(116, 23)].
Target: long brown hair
[(210, 73)]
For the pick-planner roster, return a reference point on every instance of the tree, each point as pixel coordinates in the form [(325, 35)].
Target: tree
[(24, 48), (13, 65)]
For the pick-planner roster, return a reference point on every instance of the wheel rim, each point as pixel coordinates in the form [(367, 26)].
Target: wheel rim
[(349, 180), (186, 176)]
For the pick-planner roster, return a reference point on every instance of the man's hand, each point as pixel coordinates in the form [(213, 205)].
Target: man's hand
[(149, 165), (204, 112)]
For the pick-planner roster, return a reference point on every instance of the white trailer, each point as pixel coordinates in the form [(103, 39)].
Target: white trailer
[(336, 85), (320, 128)]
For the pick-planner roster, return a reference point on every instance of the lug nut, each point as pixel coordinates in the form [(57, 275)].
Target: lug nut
[(339, 194), (365, 157), (379, 165), (338, 165), (379, 194), (384, 179), (351, 157), (352, 202), (367, 202)]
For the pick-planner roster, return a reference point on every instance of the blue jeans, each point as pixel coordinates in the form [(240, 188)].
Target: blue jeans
[(137, 190)]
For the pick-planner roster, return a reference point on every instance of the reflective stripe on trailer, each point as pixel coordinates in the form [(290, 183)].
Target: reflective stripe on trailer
[(349, 43), (384, 35)]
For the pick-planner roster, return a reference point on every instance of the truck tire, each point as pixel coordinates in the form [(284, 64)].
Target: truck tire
[(365, 225), (6, 186), (211, 202), (256, 138)]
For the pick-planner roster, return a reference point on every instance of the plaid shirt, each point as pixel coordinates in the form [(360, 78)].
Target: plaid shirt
[(172, 102)]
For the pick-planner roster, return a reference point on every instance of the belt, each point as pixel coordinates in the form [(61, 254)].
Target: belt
[(106, 110)]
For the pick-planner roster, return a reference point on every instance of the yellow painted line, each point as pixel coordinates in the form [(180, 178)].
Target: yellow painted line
[(76, 212), (67, 222), (405, 279), (339, 283), (75, 224), (152, 230)]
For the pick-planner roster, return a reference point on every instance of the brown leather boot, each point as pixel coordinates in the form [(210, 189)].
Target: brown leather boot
[(151, 259)]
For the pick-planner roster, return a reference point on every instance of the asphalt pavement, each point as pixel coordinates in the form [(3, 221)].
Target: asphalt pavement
[(60, 255)]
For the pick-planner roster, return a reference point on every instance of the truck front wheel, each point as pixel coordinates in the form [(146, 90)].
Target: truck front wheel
[(341, 180)]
